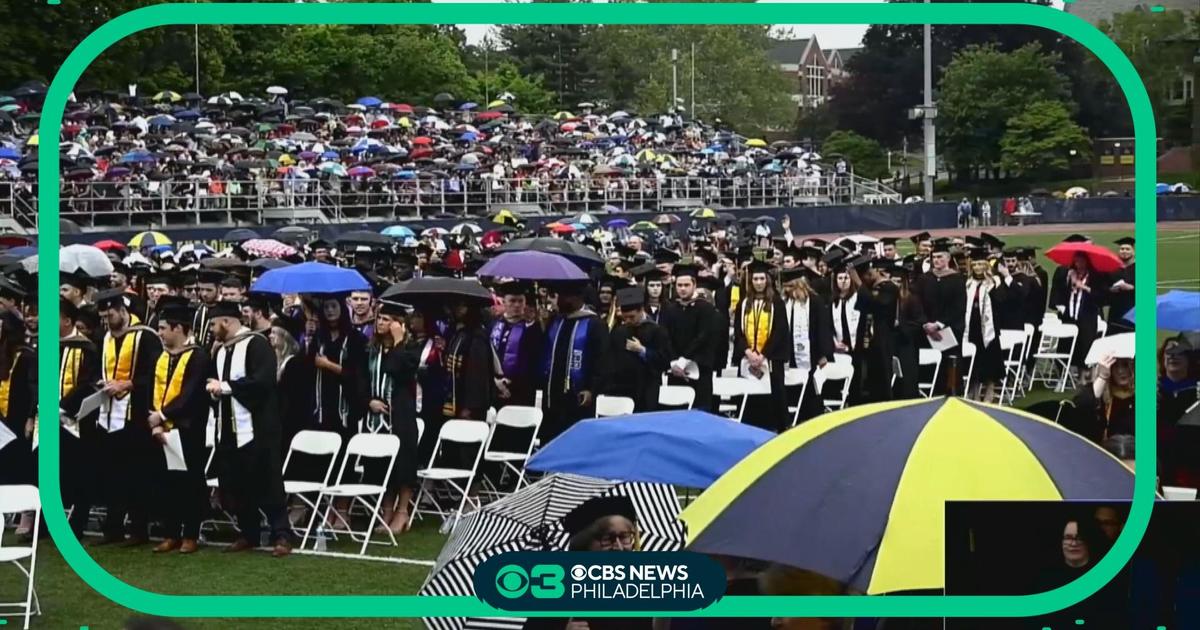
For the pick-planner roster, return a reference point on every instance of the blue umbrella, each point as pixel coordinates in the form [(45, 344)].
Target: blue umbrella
[(311, 277), (9, 153), (161, 121), (467, 106), (22, 251), (470, 136), (370, 101), (188, 114), (1161, 188), (330, 155), (397, 231), (683, 448), (617, 223), (1176, 310)]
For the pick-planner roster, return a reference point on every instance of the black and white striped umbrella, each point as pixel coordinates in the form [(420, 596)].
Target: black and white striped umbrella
[(531, 520)]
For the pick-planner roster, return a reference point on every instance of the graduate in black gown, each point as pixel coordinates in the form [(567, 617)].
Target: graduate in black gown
[(339, 355), (639, 352), (517, 340), (1120, 290), (180, 405), (1080, 302), (910, 336), (659, 307), (941, 291), (469, 366), (79, 369), (573, 362), (986, 295), (694, 337), (401, 358), (18, 398), (242, 384), (762, 345), (878, 302)]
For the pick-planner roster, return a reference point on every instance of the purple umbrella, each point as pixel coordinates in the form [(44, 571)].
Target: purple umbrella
[(361, 171), (116, 171), (532, 265)]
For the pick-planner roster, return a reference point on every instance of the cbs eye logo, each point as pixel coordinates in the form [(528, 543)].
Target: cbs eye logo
[(544, 581)]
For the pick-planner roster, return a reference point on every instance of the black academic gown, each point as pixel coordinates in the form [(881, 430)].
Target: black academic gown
[(469, 363), (183, 494), (1085, 313), (296, 409), (400, 364), (1120, 302), (877, 340), (522, 382), (250, 474), (200, 327), (341, 398), (767, 411), (693, 331), (1010, 309), (18, 464), (944, 301), (560, 399), (910, 338), (79, 369), (633, 375)]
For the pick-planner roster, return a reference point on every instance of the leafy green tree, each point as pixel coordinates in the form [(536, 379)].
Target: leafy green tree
[(864, 154), (557, 52), (1040, 140), (529, 92), (981, 90)]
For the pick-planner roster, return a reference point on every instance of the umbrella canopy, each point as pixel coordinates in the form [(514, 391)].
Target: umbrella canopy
[(532, 265), (506, 217), (1120, 346), (268, 248), (149, 239), (645, 226), (682, 448), (666, 219), (704, 213), (108, 244), (86, 259), (292, 234), (1102, 260), (398, 231), (311, 277), (531, 520), (617, 223), (268, 264), (363, 237), (462, 228), (1176, 310), (438, 290), (581, 255), (239, 235), (864, 489)]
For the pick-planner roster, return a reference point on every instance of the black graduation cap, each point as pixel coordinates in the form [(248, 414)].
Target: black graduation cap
[(681, 270), (630, 298), (161, 277), (597, 508), (1076, 238), (991, 240), (1026, 253), (884, 264), (12, 323), (11, 290), (90, 315), (625, 251), (918, 238), (788, 275), (975, 241), (440, 270), (707, 255), (515, 287), (859, 262), (209, 276), (978, 254), (760, 266), (808, 252), (940, 246), (849, 245), (168, 301), (320, 243), (613, 282), (745, 252), (653, 274), (175, 311), (67, 309), (225, 308), (120, 267), (889, 240), (1125, 240), (405, 257), (395, 309), (834, 256), (911, 263), (711, 283), (260, 301), (664, 256), (112, 298), (76, 280)]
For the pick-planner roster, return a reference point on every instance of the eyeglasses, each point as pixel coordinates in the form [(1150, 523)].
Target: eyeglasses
[(610, 539), (1072, 540)]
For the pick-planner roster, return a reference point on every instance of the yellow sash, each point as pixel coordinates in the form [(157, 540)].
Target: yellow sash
[(6, 385), (756, 326), (69, 371), (118, 363), (735, 296), (168, 383)]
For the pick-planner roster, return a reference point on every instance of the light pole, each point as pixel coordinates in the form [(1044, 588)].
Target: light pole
[(674, 78), (693, 107), (927, 119)]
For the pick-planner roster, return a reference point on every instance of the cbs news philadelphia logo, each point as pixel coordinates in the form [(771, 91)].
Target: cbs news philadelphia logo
[(578, 581)]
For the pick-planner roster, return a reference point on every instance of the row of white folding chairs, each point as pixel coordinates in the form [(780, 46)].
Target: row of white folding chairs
[(458, 481), (14, 501)]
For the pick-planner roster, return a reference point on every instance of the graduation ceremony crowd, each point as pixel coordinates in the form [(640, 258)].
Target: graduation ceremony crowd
[(180, 345)]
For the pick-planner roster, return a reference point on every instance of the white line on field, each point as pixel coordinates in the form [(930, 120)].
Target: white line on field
[(1180, 237), (1183, 282)]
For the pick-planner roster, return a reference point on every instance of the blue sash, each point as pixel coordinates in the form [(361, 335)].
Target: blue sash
[(575, 358), (506, 342)]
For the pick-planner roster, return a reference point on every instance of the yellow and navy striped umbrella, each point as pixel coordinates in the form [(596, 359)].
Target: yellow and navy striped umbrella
[(149, 239), (858, 495)]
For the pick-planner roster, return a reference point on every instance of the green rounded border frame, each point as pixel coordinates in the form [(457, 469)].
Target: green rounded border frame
[(343, 606)]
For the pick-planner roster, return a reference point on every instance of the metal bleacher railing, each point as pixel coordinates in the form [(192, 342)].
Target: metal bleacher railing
[(180, 203)]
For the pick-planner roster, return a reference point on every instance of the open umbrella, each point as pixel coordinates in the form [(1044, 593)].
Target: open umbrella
[(506, 217), (462, 228), (531, 265), (617, 223), (311, 277), (268, 248), (863, 489), (1102, 260), (148, 239), (109, 244), (1120, 346), (292, 234), (581, 255), (682, 448), (704, 213), (398, 231), (645, 226), (531, 520), (438, 289), (267, 264), (363, 237), (1176, 310), (88, 260), (239, 235), (666, 219)]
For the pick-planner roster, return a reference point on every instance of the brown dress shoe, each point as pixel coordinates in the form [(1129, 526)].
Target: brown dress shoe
[(239, 545), (167, 545), (283, 548), (188, 546)]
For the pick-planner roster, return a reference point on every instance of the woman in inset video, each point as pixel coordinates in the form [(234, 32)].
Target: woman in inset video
[(1081, 546)]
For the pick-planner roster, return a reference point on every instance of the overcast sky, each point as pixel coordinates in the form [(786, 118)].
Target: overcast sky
[(829, 35)]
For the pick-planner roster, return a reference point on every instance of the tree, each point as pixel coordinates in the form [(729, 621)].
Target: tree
[(529, 92), (864, 154), (981, 90), (557, 53), (1040, 140)]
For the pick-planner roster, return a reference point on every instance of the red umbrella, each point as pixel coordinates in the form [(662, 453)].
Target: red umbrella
[(110, 244), (1102, 260), (403, 108), (422, 140), (380, 123), (559, 228), (488, 115)]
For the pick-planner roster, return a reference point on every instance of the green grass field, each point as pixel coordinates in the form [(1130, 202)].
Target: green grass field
[(69, 603)]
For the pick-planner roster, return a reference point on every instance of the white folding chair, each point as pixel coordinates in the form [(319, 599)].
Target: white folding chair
[(461, 432), (834, 371), (1101, 327), (843, 358), (1012, 342), (676, 396), (1048, 358), (729, 372), (927, 357), (317, 444), (793, 377), (518, 418), (1026, 350), (727, 388), (369, 496), (17, 500), (609, 406), (213, 482), (968, 353)]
